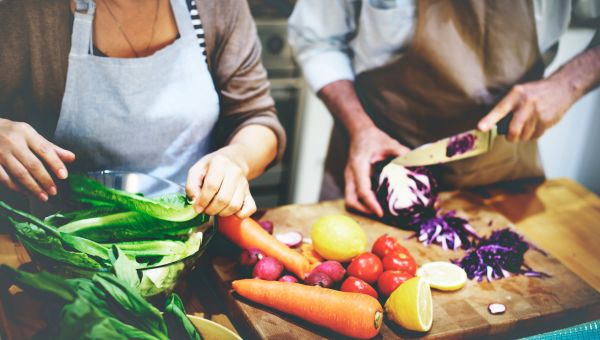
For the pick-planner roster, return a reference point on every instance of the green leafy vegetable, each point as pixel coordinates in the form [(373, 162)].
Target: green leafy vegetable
[(103, 307), (180, 327), (171, 208)]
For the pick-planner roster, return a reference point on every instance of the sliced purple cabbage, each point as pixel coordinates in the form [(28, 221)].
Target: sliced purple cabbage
[(447, 230), (405, 210), (499, 256), (460, 144)]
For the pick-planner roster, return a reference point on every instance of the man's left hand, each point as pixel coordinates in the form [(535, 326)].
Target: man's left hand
[(536, 107)]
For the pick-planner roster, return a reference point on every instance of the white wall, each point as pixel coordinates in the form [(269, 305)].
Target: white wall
[(570, 149)]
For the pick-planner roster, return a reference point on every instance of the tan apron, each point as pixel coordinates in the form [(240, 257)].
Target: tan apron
[(465, 56)]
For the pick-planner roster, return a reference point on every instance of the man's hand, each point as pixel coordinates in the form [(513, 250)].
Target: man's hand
[(27, 158), (367, 146), (536, 107)]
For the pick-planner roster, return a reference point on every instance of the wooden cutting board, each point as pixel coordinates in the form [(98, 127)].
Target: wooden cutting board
[(559, 216)]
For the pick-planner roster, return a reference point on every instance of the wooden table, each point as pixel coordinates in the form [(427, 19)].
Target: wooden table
[(559, 216)]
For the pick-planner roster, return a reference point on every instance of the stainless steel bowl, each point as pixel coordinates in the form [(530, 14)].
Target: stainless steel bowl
[(169, 273)]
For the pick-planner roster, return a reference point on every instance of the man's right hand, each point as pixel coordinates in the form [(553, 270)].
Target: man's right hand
[(26, 157), (367, 146)]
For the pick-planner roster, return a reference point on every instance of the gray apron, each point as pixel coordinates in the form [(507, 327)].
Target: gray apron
[(465, 56), (154, 114)]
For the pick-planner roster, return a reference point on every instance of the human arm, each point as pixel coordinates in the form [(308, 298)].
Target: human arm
[(320, 33), (248, 132)]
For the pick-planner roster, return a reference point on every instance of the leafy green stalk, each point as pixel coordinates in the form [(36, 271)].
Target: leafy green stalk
[(171, 207), (43, 282), (180, 327)]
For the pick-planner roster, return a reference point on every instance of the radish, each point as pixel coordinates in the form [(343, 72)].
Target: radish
[(288, 278), (333, 269), (319, 279), (267, 225), (291, 239), (267, 269), (249, 257)]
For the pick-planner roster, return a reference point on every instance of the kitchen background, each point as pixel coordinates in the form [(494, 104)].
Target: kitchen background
[(570, 149)]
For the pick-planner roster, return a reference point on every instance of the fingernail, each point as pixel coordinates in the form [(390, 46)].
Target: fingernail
[(62, 173), (199, 210), (52, 191), (43, 197), (483, 126)]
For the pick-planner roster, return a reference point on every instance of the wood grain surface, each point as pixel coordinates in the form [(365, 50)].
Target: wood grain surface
[(558, 216)]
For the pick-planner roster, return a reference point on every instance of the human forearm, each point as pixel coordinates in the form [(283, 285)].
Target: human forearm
[(343, 103), (254, 157), (581, 74)]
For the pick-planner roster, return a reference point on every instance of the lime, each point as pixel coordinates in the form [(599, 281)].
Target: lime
[(338, 237), (443, 275), (410, 305)]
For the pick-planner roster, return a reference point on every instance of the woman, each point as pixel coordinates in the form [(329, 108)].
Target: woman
[(171, 88)]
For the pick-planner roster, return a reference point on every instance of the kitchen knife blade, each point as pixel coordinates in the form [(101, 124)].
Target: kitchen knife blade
[(438, 152)]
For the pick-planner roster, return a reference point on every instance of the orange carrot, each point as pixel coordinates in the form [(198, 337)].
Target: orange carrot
[(351, 314), (247, 233)]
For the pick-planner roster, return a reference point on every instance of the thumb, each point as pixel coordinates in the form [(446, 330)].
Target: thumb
[(394, 150)]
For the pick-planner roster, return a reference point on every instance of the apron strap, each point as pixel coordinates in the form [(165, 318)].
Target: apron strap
[(81, 38), (183, 18)]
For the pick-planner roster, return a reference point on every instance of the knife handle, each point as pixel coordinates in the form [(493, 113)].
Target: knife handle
[(503, 124)]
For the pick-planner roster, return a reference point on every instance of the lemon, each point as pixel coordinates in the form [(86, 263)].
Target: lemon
[(443, 275), (410, 305), (338, 237)]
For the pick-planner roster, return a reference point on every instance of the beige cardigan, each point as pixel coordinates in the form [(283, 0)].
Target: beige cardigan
[(35, 39)]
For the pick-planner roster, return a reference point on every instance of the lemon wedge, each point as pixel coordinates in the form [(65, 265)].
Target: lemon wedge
[(410, 305), (443, 275)]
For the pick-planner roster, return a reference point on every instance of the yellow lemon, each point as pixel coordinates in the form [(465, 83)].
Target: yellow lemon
[(410, 305), (338, 237), (443, 275)]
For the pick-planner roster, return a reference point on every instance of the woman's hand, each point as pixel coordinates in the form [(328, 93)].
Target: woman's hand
[(536, 107), (26, 157), (367, 146), (218, 184)]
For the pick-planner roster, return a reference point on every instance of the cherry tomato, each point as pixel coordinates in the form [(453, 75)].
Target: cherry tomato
[(401, 262), (386, 244), (355, 285), (390, 280), (366, 266)]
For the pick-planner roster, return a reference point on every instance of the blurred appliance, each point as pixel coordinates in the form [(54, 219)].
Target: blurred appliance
[(275, 187)]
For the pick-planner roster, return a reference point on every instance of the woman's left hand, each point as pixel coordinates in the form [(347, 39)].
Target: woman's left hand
[(536, 106), (218, 184)]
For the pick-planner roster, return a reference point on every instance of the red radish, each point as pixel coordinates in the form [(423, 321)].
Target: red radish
[(291, 239), (249, 257), (267, 269), (355, 285), (267, 225), (319, 279), (288, 278), (333, 269), (350, 314), (247, 233), (366, 266)]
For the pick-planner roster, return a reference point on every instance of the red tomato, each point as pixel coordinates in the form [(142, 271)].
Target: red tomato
[(401, 262), (366, 266), (355, 285), (390, 280), (386, 244)]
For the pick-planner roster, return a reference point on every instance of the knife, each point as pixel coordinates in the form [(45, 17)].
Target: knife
[(463, 145)]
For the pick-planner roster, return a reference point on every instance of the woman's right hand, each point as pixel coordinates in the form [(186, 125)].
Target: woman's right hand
[(26, 157)]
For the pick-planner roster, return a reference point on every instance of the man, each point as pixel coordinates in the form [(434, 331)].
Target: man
[(396, 74)]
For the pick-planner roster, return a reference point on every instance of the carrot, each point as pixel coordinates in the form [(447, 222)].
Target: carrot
[(351, 314), (247, 233)]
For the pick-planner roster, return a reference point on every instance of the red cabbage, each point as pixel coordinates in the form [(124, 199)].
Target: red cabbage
[(447, 230), (406, 195), (499, 256), (460, 144)]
